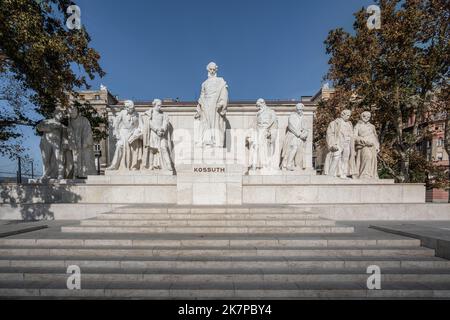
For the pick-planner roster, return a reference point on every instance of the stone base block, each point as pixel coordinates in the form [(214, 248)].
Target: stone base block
[(209, 185), (333, 194)]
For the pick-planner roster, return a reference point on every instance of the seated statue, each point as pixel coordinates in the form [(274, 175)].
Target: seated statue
[(340, 160), (293, 152), (262, 140), (157, 143), (81, 144), (53, 143), (128, 154), (367, 148)]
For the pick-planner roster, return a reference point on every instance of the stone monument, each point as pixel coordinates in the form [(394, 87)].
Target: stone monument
[(262, 140), (293, 156), (128, 154), (53, 143), (212, 110), (81, 145), (340, 161), (157, 141), (367, 148)]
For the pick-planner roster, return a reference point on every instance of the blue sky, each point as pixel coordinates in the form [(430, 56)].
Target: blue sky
[(159, 48)]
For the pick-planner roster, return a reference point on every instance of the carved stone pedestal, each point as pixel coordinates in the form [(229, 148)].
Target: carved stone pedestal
[(211, 177)]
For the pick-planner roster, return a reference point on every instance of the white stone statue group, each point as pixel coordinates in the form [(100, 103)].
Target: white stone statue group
[(352, 151), (143, 141), (262, 141), (67, 151)]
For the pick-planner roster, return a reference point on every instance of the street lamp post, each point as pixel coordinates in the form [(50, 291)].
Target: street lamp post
[(98, 155)]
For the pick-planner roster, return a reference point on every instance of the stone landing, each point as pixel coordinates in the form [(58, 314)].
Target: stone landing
[(214, 185)]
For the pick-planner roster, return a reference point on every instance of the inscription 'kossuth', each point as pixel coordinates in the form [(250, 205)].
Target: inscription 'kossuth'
[(209, 170)]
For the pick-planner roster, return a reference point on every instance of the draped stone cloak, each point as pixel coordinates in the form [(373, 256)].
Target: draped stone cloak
[(367, 144), (152, 140), (262, 148), (297, 133), (212, 125), (126, 129), (334, 137), (81, 143)]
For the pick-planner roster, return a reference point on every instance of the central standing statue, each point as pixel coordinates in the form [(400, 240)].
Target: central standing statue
[(212, 110)]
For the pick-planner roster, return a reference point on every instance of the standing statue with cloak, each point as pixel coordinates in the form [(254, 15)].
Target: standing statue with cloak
[(367, 148), (128, 154), (53, 144), (262, 141), (81, 145), (340, 161), (212, 110), (293, 153), (157, 141)]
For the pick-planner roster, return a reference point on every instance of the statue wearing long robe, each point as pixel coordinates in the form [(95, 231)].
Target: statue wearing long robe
[(157, 142), (81, 143), (293, 152), (367, 147), (262, 141), (212, 112), (340, 162), (128, 154), (53, 143)]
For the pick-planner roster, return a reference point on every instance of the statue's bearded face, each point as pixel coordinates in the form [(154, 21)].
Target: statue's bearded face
[(300, 109), (366, 117), (345, 115), (130, 109), (73, 113), (260, 104), (212, 69), (129, 106), (157, 105)]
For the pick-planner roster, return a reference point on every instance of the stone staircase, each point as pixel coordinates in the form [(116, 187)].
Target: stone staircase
[(218, 253), (191, 220)]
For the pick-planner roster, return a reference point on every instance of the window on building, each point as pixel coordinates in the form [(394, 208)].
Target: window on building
[(97, 97), (97, 147), (440, 142)]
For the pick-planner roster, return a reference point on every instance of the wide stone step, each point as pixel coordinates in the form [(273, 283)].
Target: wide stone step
[(219, 291), (212, 210), (207, 223), (207, 216), (210, 230), (260, 279), (218, 252), (209, 265), (15, 271), (207, 242)]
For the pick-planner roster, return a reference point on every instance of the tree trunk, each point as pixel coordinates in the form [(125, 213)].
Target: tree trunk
[(401, 147), (404, 167)]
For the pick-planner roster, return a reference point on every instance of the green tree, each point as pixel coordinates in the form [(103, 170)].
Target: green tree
[(394, 72), (38, 56)]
